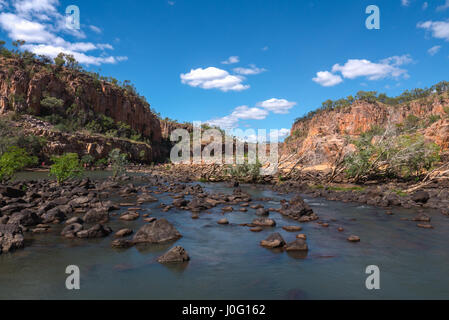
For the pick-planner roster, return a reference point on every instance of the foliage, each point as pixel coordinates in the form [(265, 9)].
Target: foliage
[(11, 136), (118, 162), (391, 154), (13, 160), (87, 159), (66, 167), (244, 171)]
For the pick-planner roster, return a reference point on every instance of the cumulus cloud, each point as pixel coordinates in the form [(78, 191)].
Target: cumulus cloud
[(231, 60), (252, 70), (278, 106), (405, 3), (439, 29), (355, 68), (260, 112), (95, 29), (327, 79), (434, 50), (39, 23), (213, 78)]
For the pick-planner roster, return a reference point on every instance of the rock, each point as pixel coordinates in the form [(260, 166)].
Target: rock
[(122, 243), (301, 236), (256, 229), (96, 216), (53, 215), (159, 231), (78, 202), (262, 212), (175, 255), (424, 226), (11, 238), (243, 210), (297, 245), (421, 197), (149, 220), (297, 209), (227, 209), (123, 233), (340, 229), (223, 221), (11, 192), (292, 228), (146, 198), (74, 220), (130, 216), (180, 202), (422, 218), (264, 222), (25, 218), (274, 240), (325, 225), (97, 231), (354, 239), (71, 230)]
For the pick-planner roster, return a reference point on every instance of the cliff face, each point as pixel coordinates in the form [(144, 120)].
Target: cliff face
[(22, 87), (321, 139)]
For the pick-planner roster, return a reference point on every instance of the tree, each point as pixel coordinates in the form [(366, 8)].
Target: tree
[(118, 162), (13, 160), (59, 60), (66, 167)]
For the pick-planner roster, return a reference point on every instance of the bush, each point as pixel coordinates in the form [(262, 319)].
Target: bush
[(118, 162), (391, 155), (13, 160), (245, 171), (66, 167)]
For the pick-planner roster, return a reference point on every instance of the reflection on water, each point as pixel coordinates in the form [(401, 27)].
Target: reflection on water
[(228, 263)]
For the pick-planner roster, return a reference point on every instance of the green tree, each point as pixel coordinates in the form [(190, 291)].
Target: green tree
[(13, 160), (118, 162), (65, 167)]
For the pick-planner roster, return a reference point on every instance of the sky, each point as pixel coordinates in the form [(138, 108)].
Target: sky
[(242, 63)]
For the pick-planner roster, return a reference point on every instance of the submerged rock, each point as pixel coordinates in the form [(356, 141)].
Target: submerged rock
[(177, 254), (159, 231)]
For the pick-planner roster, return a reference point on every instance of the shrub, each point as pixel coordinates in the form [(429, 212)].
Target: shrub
[(66, 167), (244, 171), (13, 160), (118, 162)]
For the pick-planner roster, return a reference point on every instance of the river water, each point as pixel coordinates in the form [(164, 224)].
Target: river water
[(227, 262)]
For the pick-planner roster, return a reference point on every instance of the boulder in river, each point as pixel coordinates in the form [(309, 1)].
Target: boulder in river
[(11, 238), (71, 230), (159, 231), (26, 218), (177, 254), (96, 216), (421, 197), (274, 240), (298, 245), (97, 231), (264, 222), (123, 233)]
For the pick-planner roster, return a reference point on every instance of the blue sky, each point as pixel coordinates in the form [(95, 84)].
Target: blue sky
[(283, 58)]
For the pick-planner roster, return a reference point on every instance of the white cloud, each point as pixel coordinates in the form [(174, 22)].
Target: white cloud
[(266, 48), (355, 68), (213, 78), (405, 3), (425, 5), (327, 79), (39, 23), (252, 70), (171, 3), (231, 60), (246, 113), (278, 106), (443, 6), (439, 29), (95, 29), (434, 50)]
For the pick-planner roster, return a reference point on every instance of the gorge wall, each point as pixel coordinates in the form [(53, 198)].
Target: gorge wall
[(320, 140)]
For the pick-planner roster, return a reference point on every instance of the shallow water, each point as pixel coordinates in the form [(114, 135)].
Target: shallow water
[(228, 263)]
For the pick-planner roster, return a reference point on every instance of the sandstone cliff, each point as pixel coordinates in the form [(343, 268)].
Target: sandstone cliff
[(24, 85), (317, 142)]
